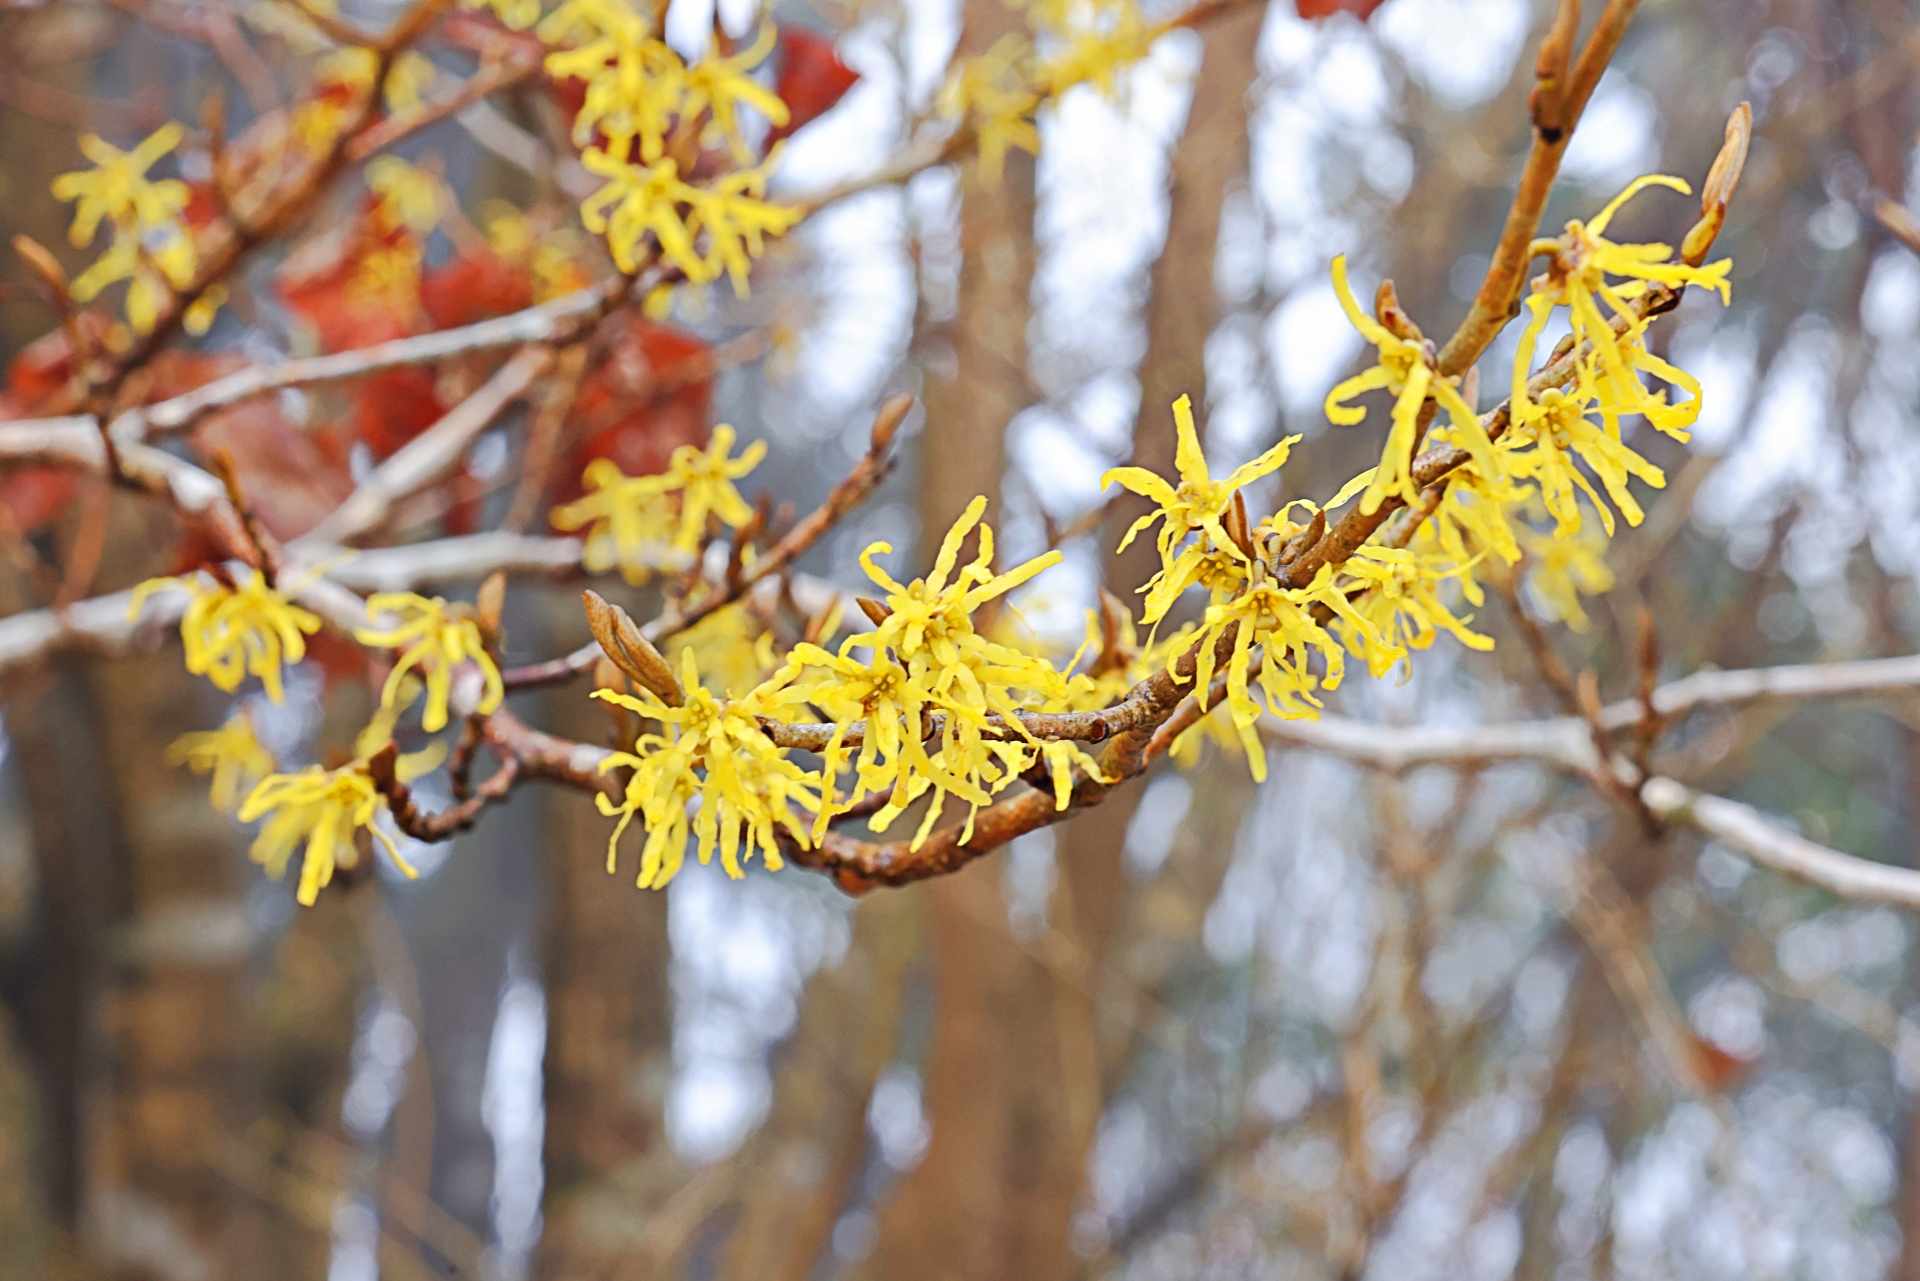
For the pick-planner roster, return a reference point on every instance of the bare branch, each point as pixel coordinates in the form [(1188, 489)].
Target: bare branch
[(1561, 102), (426, 457), (550, 322), (1768, 843)]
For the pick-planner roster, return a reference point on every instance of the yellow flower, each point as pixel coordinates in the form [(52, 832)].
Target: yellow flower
[(1405, 369), (1280, 620), (325, 809), (390, 272), (151, 248), (1097, 57), (991, 88), (405, 195), (117, 190), (1196, 506), (152, 276), (1582, 260), (635, 82), (720, 85), (232, 754), (202, 310), (627, 517), (930, 632), (1563, 568), (1540, 444), (704, 479), (1402, 610), (746, 788), (637, 201), (732, 648), (1470, 523), (435, 638), (1062, 757), (378, 732), (846, 690), (232, 632), (629, 522), (736, 217)]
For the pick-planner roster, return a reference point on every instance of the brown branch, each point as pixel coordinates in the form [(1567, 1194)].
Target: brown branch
[(418, 824), (490, 79), (848, 494), (422, 460), (1556, 105), (294, 207)]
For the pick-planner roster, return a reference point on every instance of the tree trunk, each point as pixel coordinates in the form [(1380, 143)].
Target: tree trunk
[(609, 1038), (173, 1053), (813, 1146)]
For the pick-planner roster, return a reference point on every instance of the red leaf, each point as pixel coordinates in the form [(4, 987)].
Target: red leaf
[(35, 496), (651, 394), (1327, 8), (474, 287), (812, 78), (287, 478), (394, 406)]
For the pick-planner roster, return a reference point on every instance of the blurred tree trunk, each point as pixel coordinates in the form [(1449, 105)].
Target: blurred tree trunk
[(991, 1082), (970, 400), (809, 1154), (1182, 312), (609, 1038), (24, 1227), (173, 1053)]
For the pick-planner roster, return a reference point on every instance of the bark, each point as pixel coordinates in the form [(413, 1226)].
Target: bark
[(998, 1100), (970, 398), (609, 1038), (814, 1145), (1182, 311), (173, 1052), (990, 1078)]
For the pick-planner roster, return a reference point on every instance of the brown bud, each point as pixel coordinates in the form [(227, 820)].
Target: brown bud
[(875, 610), (621, 639), (887, 422), (1546, 105), (42, 263), (488, 604), (1719, 187)]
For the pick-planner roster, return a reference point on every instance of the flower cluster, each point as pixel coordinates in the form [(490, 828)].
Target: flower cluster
[(925, 657), (232, 754), (640, 523), (712, 754), (151, 247), (236, 629), (1072, 42), (433, 638), (642, 110), (947, 695)]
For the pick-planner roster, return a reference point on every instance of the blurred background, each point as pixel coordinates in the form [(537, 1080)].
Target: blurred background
[(1339, 1024)]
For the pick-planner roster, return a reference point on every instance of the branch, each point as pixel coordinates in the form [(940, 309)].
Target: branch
[(550, 322), (1768, 843), (1556, 106), (421, 826), (849, 493), (299, 202), (423, 460), (1564, 743), (1809, 680)]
